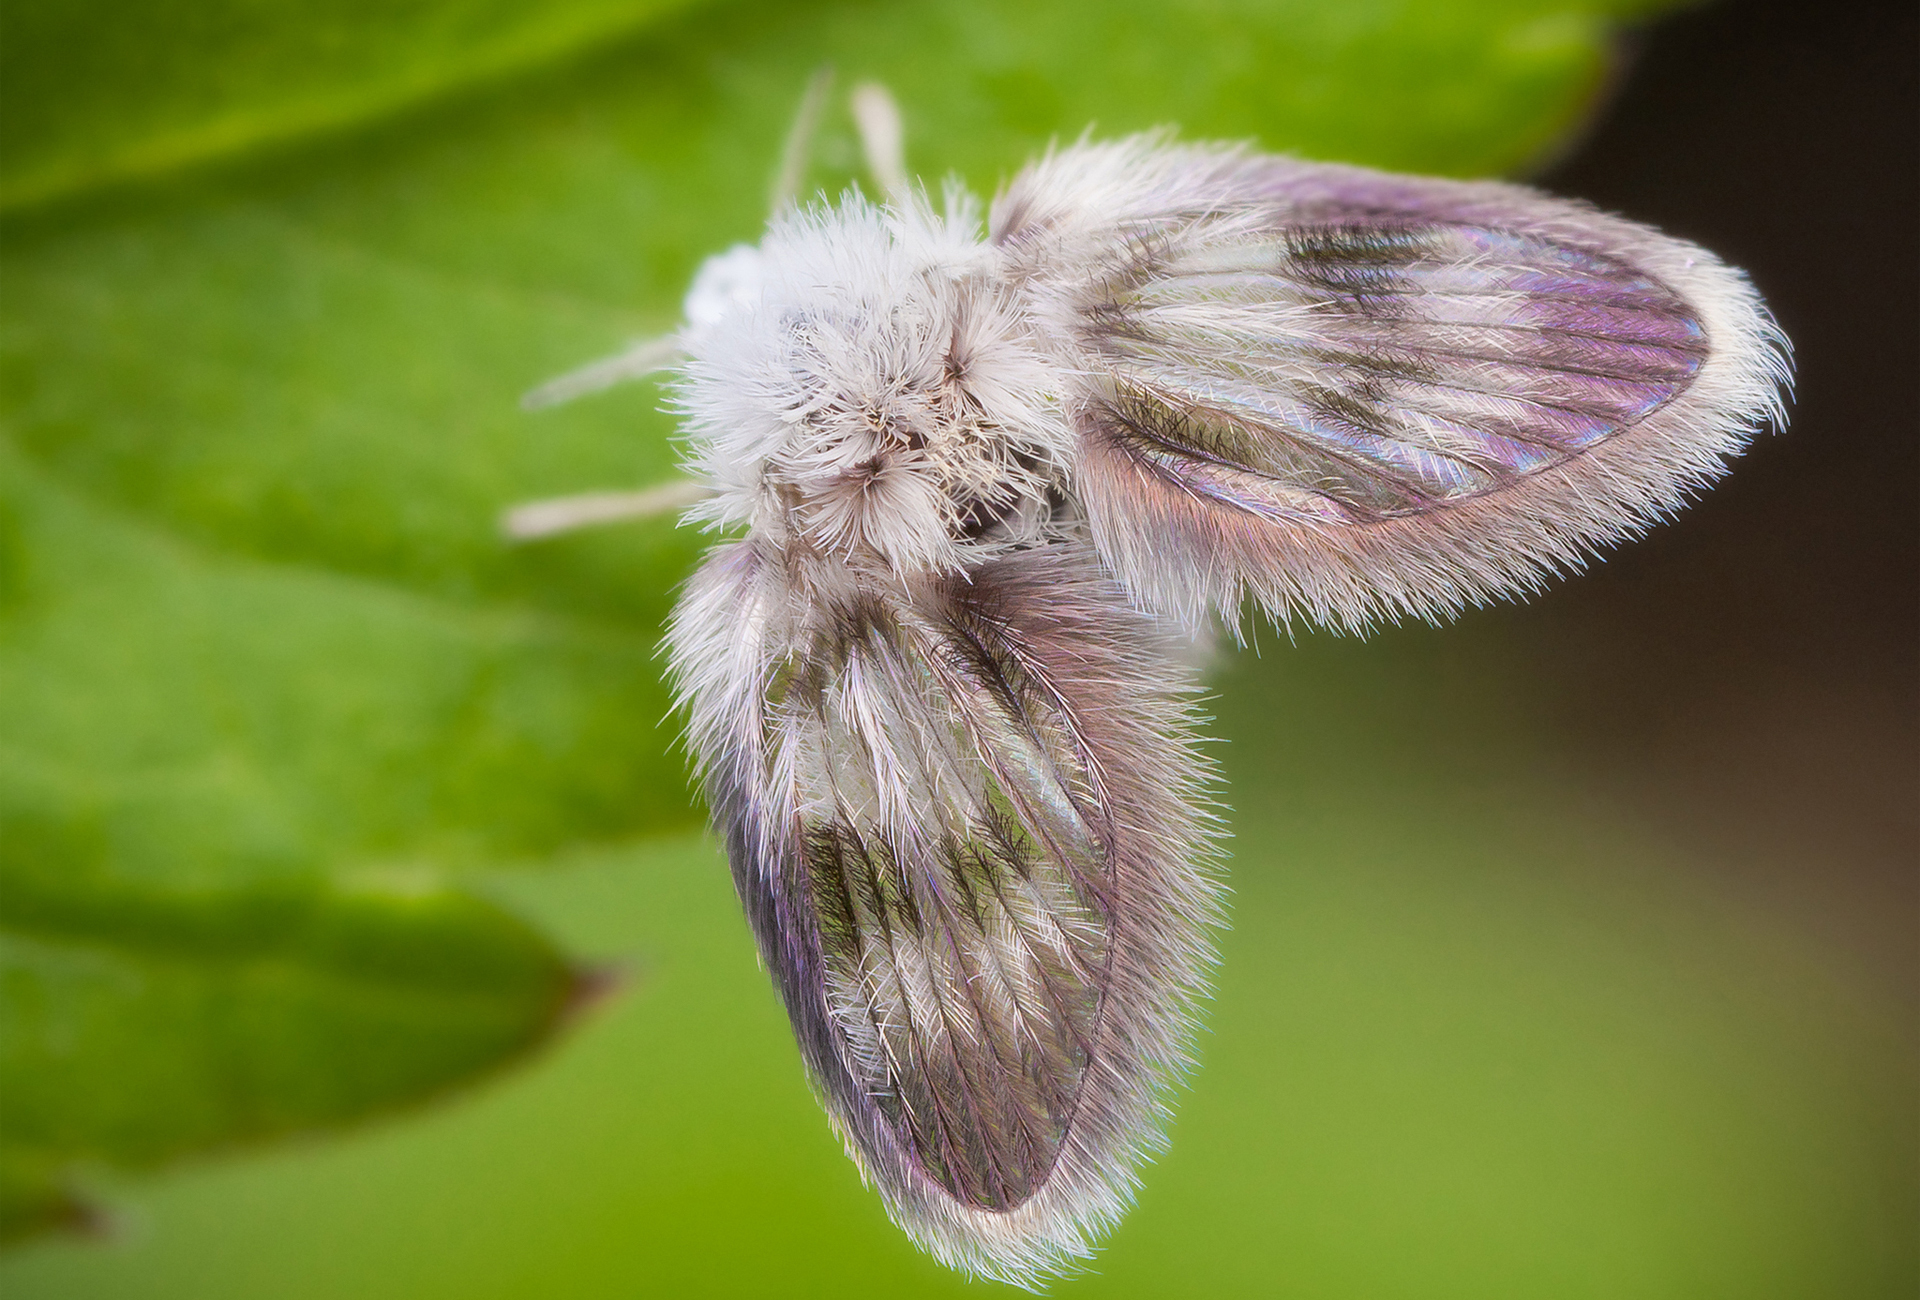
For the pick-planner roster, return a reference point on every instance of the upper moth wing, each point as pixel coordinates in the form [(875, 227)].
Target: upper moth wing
[(1355, 395), (966, 823)]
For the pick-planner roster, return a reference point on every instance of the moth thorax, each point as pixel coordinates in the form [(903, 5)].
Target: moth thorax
[(924, 442)]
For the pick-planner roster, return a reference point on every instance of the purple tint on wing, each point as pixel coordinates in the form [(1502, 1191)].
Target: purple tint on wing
[(1421, 473), (1277, 418), (1511, 454), (1385, 366), (1537, 434), (1351, 396), (1387, 346), (1254, 493), (1605, 321), (954, 886), (1559, 283), (1535, 254), (1612, 325)]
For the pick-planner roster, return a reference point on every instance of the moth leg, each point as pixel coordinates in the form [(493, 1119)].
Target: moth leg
[(793, 155), (641, 358), (647, 356), (533, 519), (877, 116)]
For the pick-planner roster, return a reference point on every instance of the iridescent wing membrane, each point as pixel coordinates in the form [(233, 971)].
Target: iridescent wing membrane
[(967, 828), (1355, 396)]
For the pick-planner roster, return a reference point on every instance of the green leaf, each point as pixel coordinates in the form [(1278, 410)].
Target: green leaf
[(183, 963), (141, 1018), (1479, 1040), (96, 91), (260, 640)]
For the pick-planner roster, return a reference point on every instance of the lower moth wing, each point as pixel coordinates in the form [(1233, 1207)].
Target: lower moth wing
[(967, 826), (1355, 396)]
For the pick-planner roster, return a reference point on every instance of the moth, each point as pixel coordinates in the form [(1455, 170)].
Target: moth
[(984, 485)]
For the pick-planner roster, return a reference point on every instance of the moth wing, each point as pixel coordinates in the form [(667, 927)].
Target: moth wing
[(967, 826), (1355, 395)]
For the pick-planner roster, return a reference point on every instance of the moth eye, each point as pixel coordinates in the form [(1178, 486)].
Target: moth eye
[(977, 518), (892, 429)]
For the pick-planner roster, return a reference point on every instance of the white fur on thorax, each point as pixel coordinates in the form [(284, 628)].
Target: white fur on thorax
[(876, 378)]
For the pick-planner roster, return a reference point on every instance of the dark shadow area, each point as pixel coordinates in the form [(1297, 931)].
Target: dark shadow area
[(1750, 678)]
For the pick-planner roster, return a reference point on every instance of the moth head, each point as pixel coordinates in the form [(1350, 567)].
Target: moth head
[(863, 385)]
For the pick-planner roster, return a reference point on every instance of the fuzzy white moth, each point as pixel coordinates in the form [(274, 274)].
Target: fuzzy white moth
[(988, 482)]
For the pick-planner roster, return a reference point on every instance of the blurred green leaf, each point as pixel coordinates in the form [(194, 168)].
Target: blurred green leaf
[(141, 1018), (258, 633), (96, 91), (1469, 1044), (183, 963)]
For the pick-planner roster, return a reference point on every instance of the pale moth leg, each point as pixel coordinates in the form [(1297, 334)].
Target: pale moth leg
[(641, 358), (793, 156), (564, 514), (878, 118), (646, 356)]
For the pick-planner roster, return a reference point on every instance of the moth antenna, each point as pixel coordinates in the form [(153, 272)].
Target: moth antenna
[(639, 360), (877, 115), (533, 519), (650, 355), (793, 155)]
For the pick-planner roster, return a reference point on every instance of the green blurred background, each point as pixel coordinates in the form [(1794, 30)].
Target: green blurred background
[(357, 935)]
